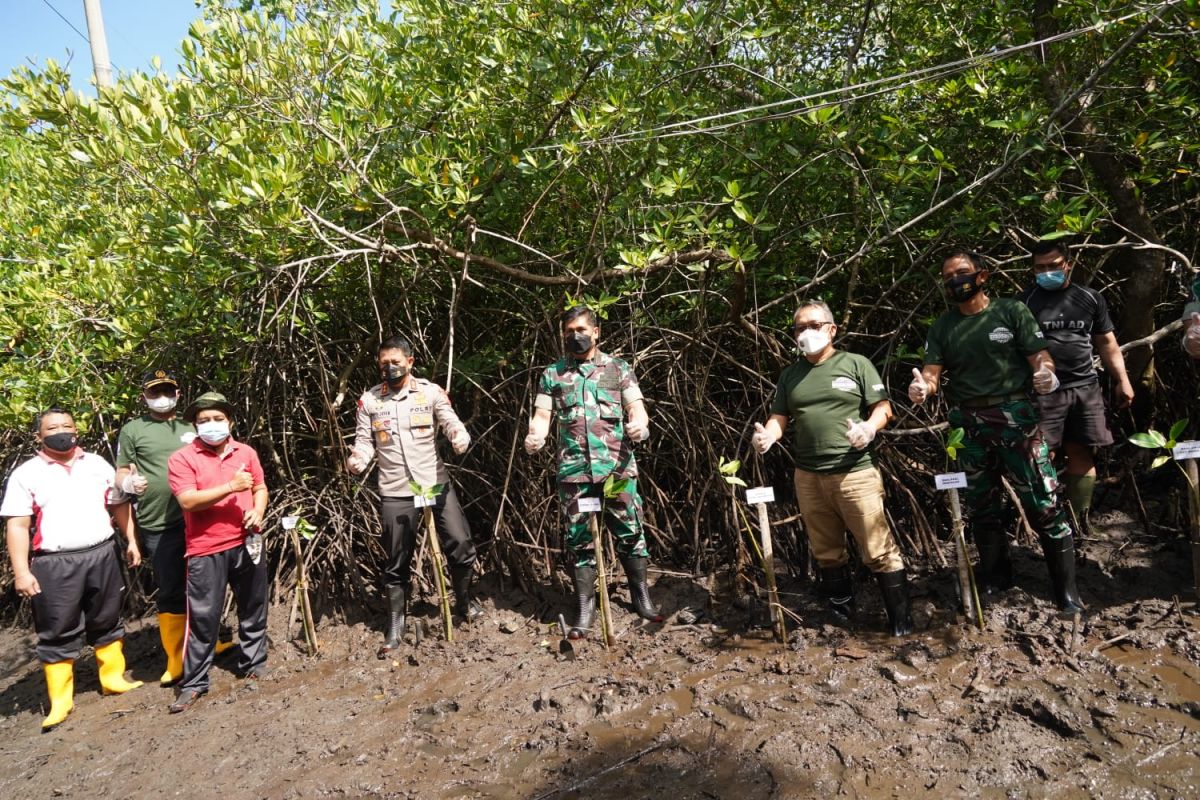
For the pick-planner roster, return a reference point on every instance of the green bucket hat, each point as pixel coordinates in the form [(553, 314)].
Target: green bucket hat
[(206, 401)]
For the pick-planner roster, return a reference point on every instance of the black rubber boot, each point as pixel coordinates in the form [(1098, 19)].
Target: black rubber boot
[(397, 596), (639, 588), (1060, 559), (894, 587), (995, 571), (465, 608), (838, 591), (585, 600)]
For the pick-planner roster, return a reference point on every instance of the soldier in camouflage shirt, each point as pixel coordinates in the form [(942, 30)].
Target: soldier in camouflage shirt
[(600, 413)]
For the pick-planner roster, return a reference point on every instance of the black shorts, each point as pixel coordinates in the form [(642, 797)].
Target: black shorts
[(1074, 415)]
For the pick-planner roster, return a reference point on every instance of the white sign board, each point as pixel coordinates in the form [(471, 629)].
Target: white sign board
[(589, 505), (951, 480), (1185, 450), (289, 522), (760, 494), (424, 502)]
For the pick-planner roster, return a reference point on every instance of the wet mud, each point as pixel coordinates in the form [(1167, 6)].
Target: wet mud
[(1031, 706)]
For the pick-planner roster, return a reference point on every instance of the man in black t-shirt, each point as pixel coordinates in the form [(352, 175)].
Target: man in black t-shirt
[(1075, 321)]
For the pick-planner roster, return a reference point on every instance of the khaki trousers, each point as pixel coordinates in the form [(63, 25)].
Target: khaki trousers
[(831, 504)]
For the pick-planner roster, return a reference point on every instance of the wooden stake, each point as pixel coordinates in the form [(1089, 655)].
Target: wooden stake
[(606, 633), (768, 563), (310, 628), (966, 577), (435, 549), (1189, 468)]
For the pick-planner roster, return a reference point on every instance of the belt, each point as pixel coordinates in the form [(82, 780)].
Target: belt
[(986, 401)]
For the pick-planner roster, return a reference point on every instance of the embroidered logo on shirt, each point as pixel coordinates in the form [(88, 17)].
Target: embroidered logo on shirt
[(878, 387), (844, 384), (1002, 335), (188, 437)]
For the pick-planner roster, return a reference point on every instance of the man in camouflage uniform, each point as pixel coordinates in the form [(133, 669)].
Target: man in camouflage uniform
[(600, 413), (993, 350), (397, 422)]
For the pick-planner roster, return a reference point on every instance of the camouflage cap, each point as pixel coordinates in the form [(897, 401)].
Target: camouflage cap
[(206, 401)]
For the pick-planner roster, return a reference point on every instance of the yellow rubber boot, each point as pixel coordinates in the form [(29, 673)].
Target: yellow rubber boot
[(171, 629), (111, 660), (60, 684), (221, 647)]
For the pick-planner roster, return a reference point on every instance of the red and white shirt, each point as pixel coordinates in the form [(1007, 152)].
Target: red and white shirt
[(197, 466), (67, 501)]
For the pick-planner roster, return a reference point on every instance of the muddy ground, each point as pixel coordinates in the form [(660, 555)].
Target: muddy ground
[(1028, 707)]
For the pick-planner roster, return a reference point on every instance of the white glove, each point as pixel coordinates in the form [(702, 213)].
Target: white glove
[(460, 441), (134, 484), (639, 433), (534, 442), (1044, 381), (355, 463), (762, 439), (1191, 339), (859, 434), (918, 390)]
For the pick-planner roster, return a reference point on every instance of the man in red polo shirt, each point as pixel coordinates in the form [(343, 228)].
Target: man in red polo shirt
[(63, 496), (218, 482)]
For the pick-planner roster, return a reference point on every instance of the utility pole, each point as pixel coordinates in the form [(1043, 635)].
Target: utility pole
[(95, 25)]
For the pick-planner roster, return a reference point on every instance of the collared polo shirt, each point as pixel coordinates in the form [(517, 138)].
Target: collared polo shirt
[(197, 466), (67, 501)]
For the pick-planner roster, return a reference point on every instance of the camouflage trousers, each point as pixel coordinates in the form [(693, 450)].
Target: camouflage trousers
[(1004, 441), (622, 515)]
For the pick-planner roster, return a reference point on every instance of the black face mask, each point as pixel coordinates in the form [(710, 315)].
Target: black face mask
[(394, 374), (578, 343), (60, 442), (962, 288)]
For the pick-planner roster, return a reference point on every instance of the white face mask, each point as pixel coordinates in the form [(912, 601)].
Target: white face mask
[(161, 404), (213, 432), (812, 342)]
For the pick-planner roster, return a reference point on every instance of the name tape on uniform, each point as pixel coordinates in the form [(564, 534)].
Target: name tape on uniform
[(760, 494), (289, 522), (951, 480), (1184, 450), (589, 505), (424, 502)]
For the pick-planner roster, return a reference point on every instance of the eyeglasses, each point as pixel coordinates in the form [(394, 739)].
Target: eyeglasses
[(809, 326)]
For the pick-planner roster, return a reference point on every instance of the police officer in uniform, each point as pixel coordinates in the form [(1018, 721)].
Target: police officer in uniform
[(397, 422), (600, 413)]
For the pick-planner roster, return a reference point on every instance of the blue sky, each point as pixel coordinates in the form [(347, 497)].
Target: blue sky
[(137, 30)]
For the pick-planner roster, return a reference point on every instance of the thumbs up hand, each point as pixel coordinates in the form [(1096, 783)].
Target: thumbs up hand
[(1191, 339), (241, 480), (134, 484), (859, 434), (918, 390), (762, 439)]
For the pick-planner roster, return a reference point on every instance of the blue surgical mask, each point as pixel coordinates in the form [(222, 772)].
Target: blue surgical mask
[(1054, 279), (213, 432)]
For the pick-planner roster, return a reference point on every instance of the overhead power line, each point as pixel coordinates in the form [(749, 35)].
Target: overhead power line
[(50, 6), (875, 87)]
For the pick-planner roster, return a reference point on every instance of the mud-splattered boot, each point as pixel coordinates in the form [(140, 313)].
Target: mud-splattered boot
[(894, 587), (465, 608), (838, 591), (639, 588), (397, 597), (995, 571), (585, 602), (1060, 559)]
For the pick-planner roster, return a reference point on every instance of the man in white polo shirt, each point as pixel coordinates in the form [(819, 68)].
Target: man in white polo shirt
[(62, 498)]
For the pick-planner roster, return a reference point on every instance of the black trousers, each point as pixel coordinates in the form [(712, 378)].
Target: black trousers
[(401, 521), (166, 550), (207, 577), (80, 599)]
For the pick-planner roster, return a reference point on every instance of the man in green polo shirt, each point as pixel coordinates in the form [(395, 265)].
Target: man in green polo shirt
[(837, 403), (988, 353), (143, 447)]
